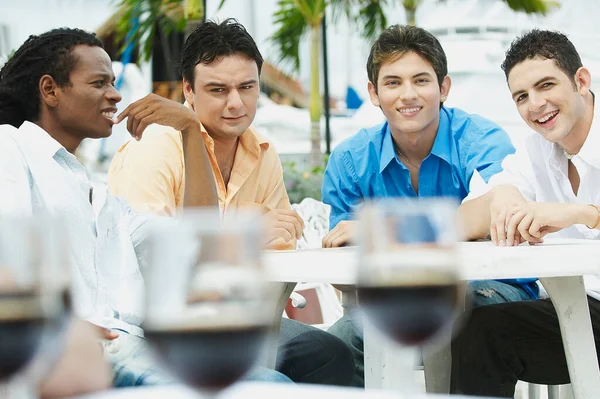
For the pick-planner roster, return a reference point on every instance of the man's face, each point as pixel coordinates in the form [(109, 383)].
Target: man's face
[(85, 108), (409, 94), (547, 100), (224, 95)]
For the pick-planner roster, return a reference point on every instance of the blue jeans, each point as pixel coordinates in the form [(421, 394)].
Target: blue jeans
[(133, 365), (488, 292), (484, 292)]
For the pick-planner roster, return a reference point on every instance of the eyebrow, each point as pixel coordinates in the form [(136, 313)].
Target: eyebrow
[(245, 83), (427, 74), (516, 93), (103, 75)]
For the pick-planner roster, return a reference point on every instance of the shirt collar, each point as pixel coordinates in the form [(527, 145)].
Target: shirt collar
[(388, 152), (250, 140), (441, 145), (589, 150), (38, 141)]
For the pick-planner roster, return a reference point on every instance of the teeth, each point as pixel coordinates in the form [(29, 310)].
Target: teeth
[(547, 117), (409, 110), (109, 115)]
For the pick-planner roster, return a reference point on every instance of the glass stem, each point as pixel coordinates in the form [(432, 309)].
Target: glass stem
[(17, 388)]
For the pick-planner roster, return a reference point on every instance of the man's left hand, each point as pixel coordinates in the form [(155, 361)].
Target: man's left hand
[(341, 235), (535, 220)]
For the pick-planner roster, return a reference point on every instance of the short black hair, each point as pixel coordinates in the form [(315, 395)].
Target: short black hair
[(211, 40), (50, 53), (397, 40), (543, 44)]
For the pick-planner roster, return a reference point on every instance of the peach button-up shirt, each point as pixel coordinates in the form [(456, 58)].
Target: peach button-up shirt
[(150, 174)]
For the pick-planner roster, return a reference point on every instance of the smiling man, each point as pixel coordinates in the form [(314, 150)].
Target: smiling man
[(550, 186), (422, 150)]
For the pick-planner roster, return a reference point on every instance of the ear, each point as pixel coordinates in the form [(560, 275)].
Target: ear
[(373, 94), (583, 80), (188, 92), (445, 88), (48, 91)]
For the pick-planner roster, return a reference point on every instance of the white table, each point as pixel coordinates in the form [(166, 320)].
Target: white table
[(250, 390), (560, 265)]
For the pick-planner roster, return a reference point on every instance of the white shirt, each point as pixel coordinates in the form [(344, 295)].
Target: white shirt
[(540, 172), (38, 176)]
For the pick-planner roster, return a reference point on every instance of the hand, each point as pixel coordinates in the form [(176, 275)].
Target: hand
[(104, 333), (283, 223), (505, 202), (156, 109), (341, 235), (534, 220)]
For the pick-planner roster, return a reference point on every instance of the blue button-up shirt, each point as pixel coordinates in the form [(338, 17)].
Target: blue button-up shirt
[(367, 166)]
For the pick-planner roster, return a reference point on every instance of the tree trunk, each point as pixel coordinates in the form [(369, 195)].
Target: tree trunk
[(194, 15), (411, 13), (316, 107)]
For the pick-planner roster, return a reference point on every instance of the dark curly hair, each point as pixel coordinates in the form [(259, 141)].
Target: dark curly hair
[(211, 40), (396, 40), (47, 54), (546, 45)]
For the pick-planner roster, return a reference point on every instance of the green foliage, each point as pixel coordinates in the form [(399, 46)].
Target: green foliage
[(291, 26), (533, 6), (302, 183), (166, 13)]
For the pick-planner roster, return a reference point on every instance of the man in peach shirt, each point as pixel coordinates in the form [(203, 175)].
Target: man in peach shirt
[(221, 65)]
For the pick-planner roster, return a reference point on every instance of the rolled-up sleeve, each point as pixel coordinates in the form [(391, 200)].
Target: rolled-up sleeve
[(340, 188), (516, 171), (149, 173), (15, 192)]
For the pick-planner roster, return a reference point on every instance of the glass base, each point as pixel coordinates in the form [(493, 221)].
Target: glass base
[(17, 388)]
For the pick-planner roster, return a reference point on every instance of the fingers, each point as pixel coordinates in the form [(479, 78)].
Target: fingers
[(500, 226), (288, 219), (339, 236), (524, 223)]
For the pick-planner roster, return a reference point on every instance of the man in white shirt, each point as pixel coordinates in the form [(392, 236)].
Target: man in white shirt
[(55, 91), (549, 187)]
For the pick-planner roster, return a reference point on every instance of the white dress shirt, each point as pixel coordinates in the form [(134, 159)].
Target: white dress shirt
[(38, 176), (540, 172)]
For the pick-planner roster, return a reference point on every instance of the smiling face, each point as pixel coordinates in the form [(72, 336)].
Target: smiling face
[(224, 95), (409, 94), (85, 107), (548, 101)]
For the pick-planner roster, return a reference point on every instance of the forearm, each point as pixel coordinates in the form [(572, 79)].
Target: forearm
[(81, 368), (474, 217), (200, 189), (586, 214)]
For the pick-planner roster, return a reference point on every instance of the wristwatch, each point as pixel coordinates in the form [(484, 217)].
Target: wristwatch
[(597, 224)]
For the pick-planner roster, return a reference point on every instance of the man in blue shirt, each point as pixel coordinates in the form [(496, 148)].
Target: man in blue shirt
[(422, 150)]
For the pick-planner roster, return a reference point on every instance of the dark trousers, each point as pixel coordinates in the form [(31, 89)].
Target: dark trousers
[(309, 355), (503, 343)]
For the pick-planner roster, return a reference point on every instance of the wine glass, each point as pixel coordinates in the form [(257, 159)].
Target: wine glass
[(209, 308), (408, 281), (33, 313)]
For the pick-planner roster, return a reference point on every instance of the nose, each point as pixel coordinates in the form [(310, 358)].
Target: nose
[(113, 95), (536, 102), (408, 92), (234, 100)]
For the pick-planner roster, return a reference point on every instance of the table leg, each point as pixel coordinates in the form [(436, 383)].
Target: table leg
[(570, 301), (387, 365), (285, 290), (437, 362)]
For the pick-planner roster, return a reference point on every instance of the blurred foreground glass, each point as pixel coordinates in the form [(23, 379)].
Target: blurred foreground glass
[(34, 304), (408, 283), (209, 308)]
